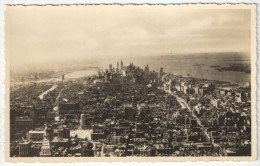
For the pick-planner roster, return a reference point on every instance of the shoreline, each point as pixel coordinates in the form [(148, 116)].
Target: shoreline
[(55, 79), (58, 79)]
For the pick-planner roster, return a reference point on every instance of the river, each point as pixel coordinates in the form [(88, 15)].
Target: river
[(81, 73), (197, 66), (47, 91)]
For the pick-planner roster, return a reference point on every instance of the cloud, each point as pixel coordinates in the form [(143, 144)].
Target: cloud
[(41, 34)]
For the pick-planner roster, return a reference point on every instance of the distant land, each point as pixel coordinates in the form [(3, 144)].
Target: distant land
[(237, 67), (200, 65)]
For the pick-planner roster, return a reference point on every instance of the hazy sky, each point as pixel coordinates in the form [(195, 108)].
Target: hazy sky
[(40, 34)]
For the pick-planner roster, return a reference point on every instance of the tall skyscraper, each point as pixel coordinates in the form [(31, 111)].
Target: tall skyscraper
[(106, 76), (110, 67), (146, 69), (82, 121), (122, 65), (117, 67), (161, 72)]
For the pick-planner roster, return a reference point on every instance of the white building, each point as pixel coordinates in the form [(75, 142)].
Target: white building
[(46, 148), (82, 121)]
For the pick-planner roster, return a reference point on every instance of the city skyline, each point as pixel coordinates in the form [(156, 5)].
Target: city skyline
[(130, 111), (175, 81)]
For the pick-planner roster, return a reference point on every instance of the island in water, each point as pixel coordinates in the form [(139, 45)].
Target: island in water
[(237, 67)]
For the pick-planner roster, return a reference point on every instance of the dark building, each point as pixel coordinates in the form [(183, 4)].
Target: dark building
[(129, 113), (122, 65), (107, 76), (161, 72), (146, 69), (64, 132), (25, 148), (87, 149), (110, 67), (98, 132), (22, 123), (67, 107)]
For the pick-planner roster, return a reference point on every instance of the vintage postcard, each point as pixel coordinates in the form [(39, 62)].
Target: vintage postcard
[(130, 83)]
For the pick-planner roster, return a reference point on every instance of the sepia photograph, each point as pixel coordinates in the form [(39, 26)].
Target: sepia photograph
[(150, 82)]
